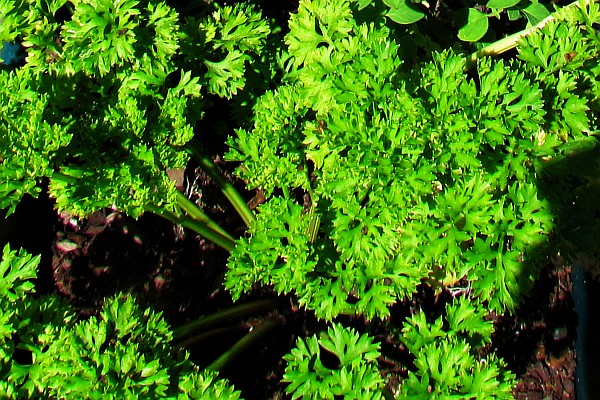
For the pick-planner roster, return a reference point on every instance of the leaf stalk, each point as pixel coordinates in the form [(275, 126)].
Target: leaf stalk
[(232, 313), (222, 240), (196, 213), (206, 163), (242, 345)]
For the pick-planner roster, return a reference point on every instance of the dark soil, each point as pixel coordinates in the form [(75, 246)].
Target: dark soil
[(180, 274), (537, 343)]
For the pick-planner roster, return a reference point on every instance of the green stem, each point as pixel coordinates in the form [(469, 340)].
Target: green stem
[(224, 241), (196, 213), (59, 176), (232, 313), (510, 42), (194, 340), (207, 164), (242, 345)]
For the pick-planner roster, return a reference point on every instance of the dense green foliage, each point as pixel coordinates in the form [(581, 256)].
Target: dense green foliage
[(447, 356), (351, 371), (446, 363), (427, 174), (111, 81), (124, 353), (381, 171)]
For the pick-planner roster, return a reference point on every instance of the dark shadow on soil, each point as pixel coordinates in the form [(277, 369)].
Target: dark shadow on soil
[(572, 185), (31, 227), (537, 342)]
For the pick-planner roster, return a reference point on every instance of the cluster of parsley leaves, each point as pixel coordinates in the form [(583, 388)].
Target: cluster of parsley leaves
[(380, 175), (421, 173), (124, 353)]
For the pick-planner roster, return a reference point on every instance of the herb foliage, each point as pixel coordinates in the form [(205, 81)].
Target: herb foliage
[(380, 174), (109, 83), (124, 353), (472, 21), (415, 174)]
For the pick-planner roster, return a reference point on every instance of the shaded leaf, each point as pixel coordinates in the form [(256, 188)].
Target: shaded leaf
[(502, 3), (473, 24), (403, 12), (535, 12)]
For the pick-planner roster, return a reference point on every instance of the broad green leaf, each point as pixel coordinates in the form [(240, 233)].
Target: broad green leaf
[(502, 3), (403, 12), (473, 24), (535, 12), (513, 15), (363, 3)]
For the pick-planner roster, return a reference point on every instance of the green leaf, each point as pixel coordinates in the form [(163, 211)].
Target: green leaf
[(574, 113), (513, 15), (100, 36), (535, 12), (418, 331), (127, 346), (502, 3), (473, 24), (16, 271), (311, 375), (468, 319), (317, 24), (449, 364), (348, 346), (226, 77), (403, 12), (363, 3), (205, 385), (240, 27)]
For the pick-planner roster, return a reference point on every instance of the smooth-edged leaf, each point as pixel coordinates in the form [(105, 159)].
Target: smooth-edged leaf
[(502, 3), (473, 24), (403, 12), (513, 15), (363, 3), (535, 12)]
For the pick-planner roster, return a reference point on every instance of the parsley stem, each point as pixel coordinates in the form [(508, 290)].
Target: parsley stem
[(59, 176), (207, 164), (510, 42), (242, 345), (195, 219), (193, 341), (227, 315), (221, 240), (196, 213)]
